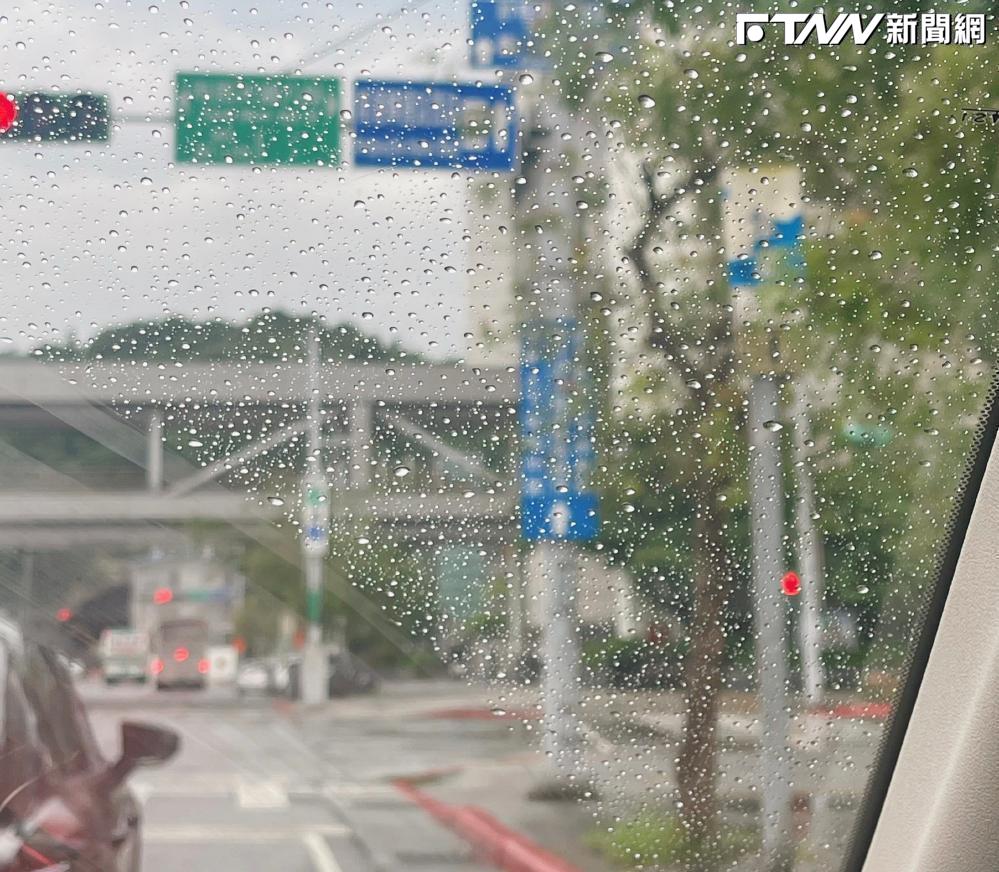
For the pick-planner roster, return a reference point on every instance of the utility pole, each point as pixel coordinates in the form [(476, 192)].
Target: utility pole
[(315, 537), (762, 225)]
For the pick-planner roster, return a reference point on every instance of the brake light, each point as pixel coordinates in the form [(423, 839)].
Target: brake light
[(203, 666), (157, 666), (181, 654)]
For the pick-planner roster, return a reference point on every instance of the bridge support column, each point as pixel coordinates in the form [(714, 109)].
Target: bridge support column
[(154, 452), (362, 434)]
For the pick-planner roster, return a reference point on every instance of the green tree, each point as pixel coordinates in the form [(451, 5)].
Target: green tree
[(674, 103)]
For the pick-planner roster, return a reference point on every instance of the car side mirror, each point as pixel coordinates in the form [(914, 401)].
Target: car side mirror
[(143, 745)]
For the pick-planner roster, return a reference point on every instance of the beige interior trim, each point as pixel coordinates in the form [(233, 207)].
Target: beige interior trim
[(940, 813)]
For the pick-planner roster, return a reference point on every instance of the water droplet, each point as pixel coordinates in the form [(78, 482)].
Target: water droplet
[(401, 471), (275, 501), (367, 316), (646, 102), (526, 78), (876, 255), (691, 74), (194, 443), (773, 426), (863, 589), (605, 57)]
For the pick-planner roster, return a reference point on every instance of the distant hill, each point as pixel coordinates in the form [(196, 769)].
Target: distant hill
[(268, 336)]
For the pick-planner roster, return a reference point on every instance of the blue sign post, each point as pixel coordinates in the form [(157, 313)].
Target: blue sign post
[(503, 34), (557, 438), (434, 124)]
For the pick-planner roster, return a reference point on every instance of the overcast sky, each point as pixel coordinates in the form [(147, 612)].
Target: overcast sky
[(110, 232)]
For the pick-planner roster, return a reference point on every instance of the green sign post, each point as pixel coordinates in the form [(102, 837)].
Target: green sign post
[(264, 120)]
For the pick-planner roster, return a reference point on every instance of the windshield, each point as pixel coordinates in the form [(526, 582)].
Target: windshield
[(488, 421)]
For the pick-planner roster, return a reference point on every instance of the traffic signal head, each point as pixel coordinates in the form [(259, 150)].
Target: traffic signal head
[(790, 584), (8, 112), (162, 596)]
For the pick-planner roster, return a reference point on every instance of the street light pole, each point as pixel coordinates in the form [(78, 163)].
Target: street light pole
[(315, 536), (555, 470)]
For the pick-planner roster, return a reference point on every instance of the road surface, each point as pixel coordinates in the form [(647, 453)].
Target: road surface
[(252, 790)]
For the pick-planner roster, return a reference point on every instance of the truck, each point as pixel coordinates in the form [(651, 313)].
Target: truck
[(124, 654), (180, 653)]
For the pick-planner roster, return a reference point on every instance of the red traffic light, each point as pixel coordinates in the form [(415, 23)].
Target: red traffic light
[(790, 584), (162, 595), (8, 112), (64, 615)]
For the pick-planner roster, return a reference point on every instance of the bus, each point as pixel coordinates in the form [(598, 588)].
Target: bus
[(180, 653)]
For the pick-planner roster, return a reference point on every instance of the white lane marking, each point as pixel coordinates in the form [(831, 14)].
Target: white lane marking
[(193, 833), (320, 853), (260, 794)]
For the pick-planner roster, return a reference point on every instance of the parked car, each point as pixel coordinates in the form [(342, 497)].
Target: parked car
[(255, 677), (63, 806), (346, 674)]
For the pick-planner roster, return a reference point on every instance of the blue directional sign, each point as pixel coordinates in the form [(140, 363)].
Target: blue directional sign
[(503, 33), (557, 436), (781, 242), (434, 124)]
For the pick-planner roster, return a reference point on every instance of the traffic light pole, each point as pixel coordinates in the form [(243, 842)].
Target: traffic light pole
[(810, 555), (761, 238), (766, 506)]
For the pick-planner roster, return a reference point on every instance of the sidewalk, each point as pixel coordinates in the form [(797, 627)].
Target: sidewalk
[(470, 751)]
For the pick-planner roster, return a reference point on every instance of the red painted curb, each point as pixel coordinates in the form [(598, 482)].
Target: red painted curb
[(878, 711), (483, 714), (493, 841)]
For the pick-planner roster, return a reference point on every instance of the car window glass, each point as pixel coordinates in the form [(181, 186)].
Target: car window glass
[(593, 382)]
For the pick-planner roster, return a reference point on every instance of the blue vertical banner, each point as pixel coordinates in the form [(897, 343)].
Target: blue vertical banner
[(557, 432), (504, 34)]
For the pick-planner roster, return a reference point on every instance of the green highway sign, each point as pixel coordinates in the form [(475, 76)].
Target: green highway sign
[(264, 120)]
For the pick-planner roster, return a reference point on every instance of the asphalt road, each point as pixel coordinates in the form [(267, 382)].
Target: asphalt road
[(251, 789)]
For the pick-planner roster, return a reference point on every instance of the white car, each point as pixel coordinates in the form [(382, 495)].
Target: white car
[(254, 676)]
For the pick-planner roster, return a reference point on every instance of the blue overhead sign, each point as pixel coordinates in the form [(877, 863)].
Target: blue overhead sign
[(503, 33), (434, 124), (557, 438)]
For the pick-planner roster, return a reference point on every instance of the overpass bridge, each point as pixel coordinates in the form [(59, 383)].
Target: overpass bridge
[(127, 451)]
